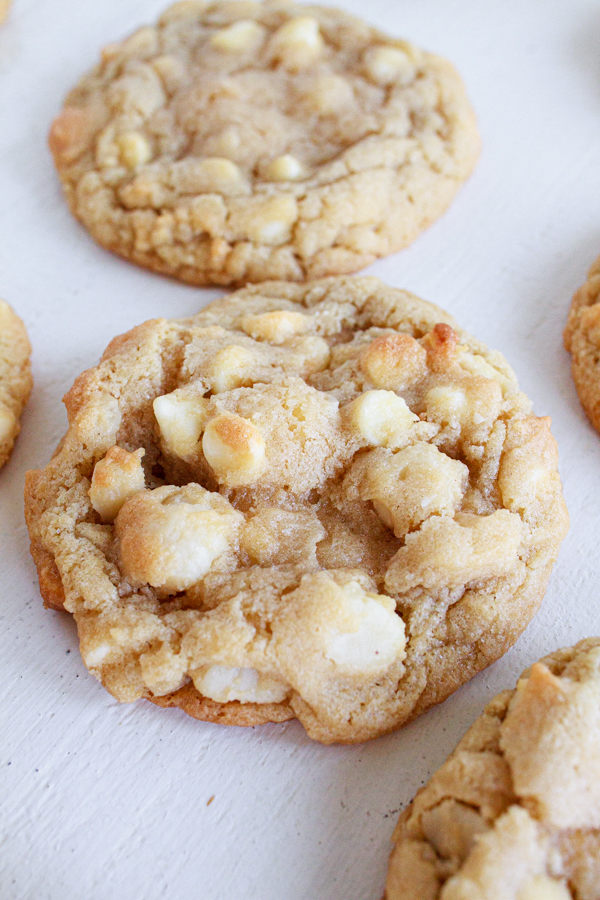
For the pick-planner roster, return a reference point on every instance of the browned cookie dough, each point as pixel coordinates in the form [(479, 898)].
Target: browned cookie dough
[(514, 813), (236, 142), (582, 340), (324, 501), (15, 377)]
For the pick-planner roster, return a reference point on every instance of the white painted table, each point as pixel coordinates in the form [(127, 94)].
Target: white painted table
[(108, 802)]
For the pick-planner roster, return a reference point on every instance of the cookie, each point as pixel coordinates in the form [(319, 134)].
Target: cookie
[(323, 501), (4, 7), (237, 142), (582, 340), (514, 812), (15, 377)]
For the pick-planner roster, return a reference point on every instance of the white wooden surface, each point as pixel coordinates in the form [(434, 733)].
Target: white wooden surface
[(108, 802)]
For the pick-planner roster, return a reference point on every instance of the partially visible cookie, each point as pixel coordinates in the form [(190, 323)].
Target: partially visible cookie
[(323, 501), (4, 7), (582, 340), (237, 142), (514, 813), (15, 377)]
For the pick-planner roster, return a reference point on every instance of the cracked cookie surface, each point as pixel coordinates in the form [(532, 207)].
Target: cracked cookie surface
[(582, 340), (15, 377), (514, 812), (237, 142), (323, 501)]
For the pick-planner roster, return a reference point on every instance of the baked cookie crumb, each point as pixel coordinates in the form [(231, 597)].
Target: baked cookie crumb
[(307, 500), (236, 142)]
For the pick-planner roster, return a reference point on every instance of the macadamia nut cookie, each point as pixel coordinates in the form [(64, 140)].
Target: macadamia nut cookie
[(15, 377), (582, 340), (514, 812), (323, 501), (241, 141)]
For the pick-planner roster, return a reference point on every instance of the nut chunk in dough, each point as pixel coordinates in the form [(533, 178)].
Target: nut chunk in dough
[(311, 535), (514, 812), (170, 537)]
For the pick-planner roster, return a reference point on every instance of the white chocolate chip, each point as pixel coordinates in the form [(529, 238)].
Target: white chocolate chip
[(234, 449), (370, 635), (285, 168), (217, 170), (237, 37), (298, 42), (541, 887), (477, 365), (170, 69), (94, 654), (228, 142), (170, 537), (227, 683), (384, 514), (275, 233), (329, 94), (134, 149), (325, 633), (276, 327), (231, 367), (181, 418), (394, 361), (446, 404), (477, 402), (271, 222), (267, 221), (385, 65), (381, 418), (211, 175), (163, 670), (116, 478)]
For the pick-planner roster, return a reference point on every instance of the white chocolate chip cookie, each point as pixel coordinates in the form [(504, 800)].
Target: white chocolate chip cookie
[(15, 377), (514, 812), (237, 142), (582, 340), (323, 501)]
